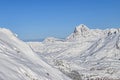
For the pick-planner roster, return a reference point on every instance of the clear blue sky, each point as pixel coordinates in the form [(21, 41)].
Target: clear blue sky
[(36, 19)]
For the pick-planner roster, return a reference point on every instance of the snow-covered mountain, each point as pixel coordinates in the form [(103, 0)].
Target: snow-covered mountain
[(85, 54), (19, 62)]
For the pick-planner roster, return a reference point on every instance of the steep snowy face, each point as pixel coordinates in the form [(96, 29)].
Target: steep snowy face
[(81, 30), (108, 47), (102, 58), (19, 62)]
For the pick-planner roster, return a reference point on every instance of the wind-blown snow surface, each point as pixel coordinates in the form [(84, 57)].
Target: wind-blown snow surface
[(19, 62), (86, 53)]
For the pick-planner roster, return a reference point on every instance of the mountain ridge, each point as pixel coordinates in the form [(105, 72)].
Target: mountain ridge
[(84, 55), (93, 53), (19, 62)]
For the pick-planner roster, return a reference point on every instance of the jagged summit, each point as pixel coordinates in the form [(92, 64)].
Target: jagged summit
[(81, 28), (83, 32)]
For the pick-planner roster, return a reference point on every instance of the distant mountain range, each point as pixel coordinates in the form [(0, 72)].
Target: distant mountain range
[(33, 40)]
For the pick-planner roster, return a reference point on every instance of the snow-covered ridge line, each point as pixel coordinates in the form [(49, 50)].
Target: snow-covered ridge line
[(83, 28), (19, 62), (83, 32)]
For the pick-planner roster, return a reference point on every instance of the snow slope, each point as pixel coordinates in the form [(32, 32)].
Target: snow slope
[(86, 53), (19, 62)]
